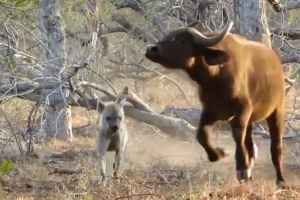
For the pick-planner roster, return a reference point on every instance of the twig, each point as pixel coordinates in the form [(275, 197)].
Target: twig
[(112, 87), (30, 126), (155, 71), (66, 171), (80, 127), (138, 195), (97, 87), (12, 130)]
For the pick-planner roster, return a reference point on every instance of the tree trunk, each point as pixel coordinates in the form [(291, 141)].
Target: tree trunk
[(56, 122), (251, 20)]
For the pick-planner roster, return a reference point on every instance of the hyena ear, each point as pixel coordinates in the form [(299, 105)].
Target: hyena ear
[(125, 90), (100, 106), (121, 99)]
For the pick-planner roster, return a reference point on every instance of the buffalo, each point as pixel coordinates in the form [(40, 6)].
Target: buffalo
[(239, 81)]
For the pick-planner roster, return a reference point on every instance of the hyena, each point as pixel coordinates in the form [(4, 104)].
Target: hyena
[(112, 134)]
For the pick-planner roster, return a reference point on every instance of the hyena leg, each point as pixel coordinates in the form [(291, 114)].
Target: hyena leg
[(118, 160), (102, 146)]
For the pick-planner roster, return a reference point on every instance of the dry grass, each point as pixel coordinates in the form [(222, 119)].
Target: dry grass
[(73, 175)]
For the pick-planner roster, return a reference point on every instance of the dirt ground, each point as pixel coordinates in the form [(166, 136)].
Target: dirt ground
[(149, 149), (153, 168)]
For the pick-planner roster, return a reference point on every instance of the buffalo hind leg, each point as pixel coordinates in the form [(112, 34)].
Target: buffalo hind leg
[(244, 144), (203, 133), (276, 127)]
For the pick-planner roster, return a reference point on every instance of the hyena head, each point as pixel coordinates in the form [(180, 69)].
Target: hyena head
[(113, 113)]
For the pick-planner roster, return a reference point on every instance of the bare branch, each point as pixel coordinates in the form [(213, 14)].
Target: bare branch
[(140, 8), (31, 68), (290, 58), (26, 90), (171, 126), (30, 126), (277, 6), (13, 132), (191, 115), (132, 98), (181, 13), (289, 33), (85, 42), (112, 87), (138, 103), (225, 15), (97, 87), (136, 32), (158, 73), (292, 4)]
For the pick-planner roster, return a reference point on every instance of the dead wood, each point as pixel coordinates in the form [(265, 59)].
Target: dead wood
[(69, 154), (65, 171), (191, 115)]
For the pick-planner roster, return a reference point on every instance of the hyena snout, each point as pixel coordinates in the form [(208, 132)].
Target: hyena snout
[(114, 128)]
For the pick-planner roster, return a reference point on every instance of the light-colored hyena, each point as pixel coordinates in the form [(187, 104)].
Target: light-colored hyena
[(112, 134)]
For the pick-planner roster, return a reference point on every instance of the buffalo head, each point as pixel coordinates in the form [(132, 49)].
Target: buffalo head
[(180, 47)]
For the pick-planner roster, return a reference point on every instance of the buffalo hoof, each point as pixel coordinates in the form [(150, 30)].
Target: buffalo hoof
[(244, 176), (218, 154), (282, 185)]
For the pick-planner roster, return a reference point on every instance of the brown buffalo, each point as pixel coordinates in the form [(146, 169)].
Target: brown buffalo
[(240, 81)]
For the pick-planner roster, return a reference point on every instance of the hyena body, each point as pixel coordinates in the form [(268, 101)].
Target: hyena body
[(112, 134)]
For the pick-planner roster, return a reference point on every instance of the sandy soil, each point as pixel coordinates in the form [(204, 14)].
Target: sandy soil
[(148, 150)]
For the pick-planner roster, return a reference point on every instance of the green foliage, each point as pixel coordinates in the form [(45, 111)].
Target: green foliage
[(105, 9), (19, 2), (292, 17), (10, 65), (6, 167)]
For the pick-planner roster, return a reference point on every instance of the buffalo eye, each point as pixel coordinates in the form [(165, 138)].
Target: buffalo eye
[(183, 42), (107, 118), (120, 118)]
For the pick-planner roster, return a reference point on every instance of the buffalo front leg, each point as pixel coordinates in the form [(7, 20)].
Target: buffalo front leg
[(203, 133), (276, 127), (251, 146), (239, 126)]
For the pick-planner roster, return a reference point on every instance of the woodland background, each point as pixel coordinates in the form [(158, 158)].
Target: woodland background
[(58, 57)]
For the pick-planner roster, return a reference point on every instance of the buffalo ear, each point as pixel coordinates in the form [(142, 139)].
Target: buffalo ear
[(215, 57)]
